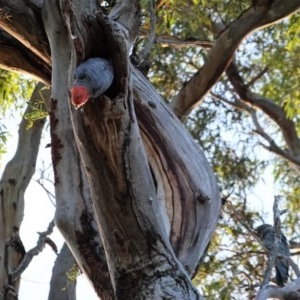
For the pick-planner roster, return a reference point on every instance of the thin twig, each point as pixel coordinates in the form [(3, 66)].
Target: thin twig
[(272, 147), (234, 213), (180, 43), (50, 195)]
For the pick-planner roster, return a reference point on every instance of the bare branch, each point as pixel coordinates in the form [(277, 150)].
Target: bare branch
[(274, 111), (236, 216), (40, 181), (258, 76), (273, 255), (273, 147), (42, 241), (277, 247), (144, 53), (176, 42), (294, 266), (224, 47)]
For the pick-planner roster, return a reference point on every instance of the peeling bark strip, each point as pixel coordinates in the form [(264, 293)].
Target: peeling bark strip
[(91, 250), (56, 143)]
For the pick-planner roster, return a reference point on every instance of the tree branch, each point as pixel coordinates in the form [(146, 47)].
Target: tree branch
[(273, 255), (14, 56), (62, 286), (143, 56), (222, 52), (42, 241), (288, 292), (15, 16), (14, 181), (274, 111), (180, 43), (272, 145)]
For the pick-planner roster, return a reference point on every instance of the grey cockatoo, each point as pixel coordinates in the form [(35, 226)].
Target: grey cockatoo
[(266, 234), (92, 78)]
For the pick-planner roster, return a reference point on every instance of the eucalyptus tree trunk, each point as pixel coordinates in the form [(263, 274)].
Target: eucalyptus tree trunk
[(136, 200), (155, 211), (13, 184)]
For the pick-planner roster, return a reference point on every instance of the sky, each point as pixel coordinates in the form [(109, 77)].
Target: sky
[(39, 212)]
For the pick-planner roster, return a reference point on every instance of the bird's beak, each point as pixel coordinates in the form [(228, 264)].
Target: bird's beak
[(79, 95)]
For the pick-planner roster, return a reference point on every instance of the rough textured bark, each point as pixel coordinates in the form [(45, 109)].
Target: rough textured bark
[(185, 186), (155, 200), (74, 214), (61, 285), (14, 181), (123, 190)]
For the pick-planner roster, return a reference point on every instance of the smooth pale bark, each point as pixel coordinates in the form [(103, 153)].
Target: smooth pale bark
[(61, 285), (13, 184)]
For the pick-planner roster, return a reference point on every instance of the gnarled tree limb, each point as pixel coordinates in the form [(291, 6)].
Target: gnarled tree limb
[(271, 109), (223, 49)]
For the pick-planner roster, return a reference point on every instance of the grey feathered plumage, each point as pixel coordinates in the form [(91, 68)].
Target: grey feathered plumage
[(266, 234), (96, 74)]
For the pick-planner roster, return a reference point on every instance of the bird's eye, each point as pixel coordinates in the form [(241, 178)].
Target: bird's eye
[(79, 77)]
